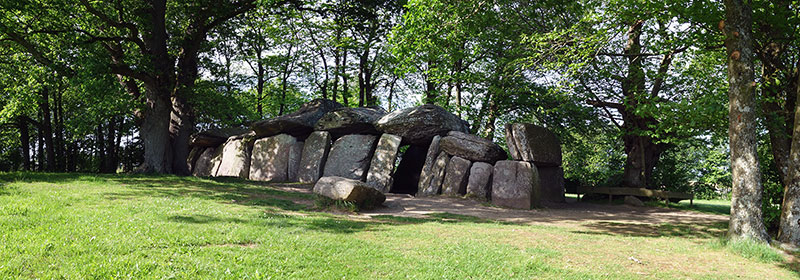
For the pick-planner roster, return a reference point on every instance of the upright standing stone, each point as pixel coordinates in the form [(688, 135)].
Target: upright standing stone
[(438, 171), (350, 157), (270, 160), (204, 164), (536, 144), (426, 174), (552, 183), (480, 184), (515, 185), (456, 177), (295, 154), (382, 165), (235, 161), (314, 156), (511, 143), (194, 154)]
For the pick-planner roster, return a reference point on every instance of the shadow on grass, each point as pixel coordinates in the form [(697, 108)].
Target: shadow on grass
[(661, 230)]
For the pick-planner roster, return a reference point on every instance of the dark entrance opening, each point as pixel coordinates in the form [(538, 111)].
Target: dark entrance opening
[(406, 177)]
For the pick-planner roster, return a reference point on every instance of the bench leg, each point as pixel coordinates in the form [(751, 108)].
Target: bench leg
[(691, 201), (666, 201), (610, 198)]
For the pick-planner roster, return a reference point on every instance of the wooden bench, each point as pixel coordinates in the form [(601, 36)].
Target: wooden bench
[(611, 192)]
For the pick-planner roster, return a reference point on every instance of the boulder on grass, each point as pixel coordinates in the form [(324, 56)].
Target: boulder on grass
[(338, 188), (418, 125), (299, 123), (480, 180), (533, 143), (515, 184), (382, 165), (345, 120), (270, 160), (314, 156), (350, 157), (456, 177), (632, 200), (472, 147), (214, 137)]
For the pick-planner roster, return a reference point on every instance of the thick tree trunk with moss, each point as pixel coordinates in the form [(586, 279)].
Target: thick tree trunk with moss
[(746, 217), (789, 228)]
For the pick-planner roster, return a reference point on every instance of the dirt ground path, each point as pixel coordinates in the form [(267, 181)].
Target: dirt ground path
[(569, 214)]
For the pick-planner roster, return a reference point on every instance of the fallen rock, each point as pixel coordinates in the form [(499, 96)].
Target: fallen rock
[(471, 147), (355, 191), (382, 165), (480, 180), (214, 137), (406, 178), (350, 157), (456, 177), (270, 160), (551, 179), (235, 157), (295, 154), (204, 166), (343, 121), (418, 125), (426, 174), (299, 123), (438, 171), (314, 156), (515, 184), (535, 144), (632, 200)]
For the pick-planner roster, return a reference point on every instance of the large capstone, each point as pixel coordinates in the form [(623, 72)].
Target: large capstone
[(406, 177), (456, 177), (338, 188), (299, 123), (382, 165), (345, 120), (214, 137), (350, 156), (426, 174), (551, 180), (235, 157), (480, 184), (204, 166), (314, 156), (418, 125), (534, 143), (438, 172), (471, 147), (270, 160), (515, 184)]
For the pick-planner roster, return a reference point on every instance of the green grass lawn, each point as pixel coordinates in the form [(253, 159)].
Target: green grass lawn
[(93, 226)]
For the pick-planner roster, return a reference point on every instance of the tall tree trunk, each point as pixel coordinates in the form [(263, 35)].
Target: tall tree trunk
[(430, 87), (260, 86), (362, 62), (47, 128), (40, 150), (100, 145), (746, 220), (779, 118), (24, 139), (789, 225), (642, 153), (343, 72), (58, 114)]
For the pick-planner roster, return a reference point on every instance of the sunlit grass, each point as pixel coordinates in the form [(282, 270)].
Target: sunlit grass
[(86, 226)]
